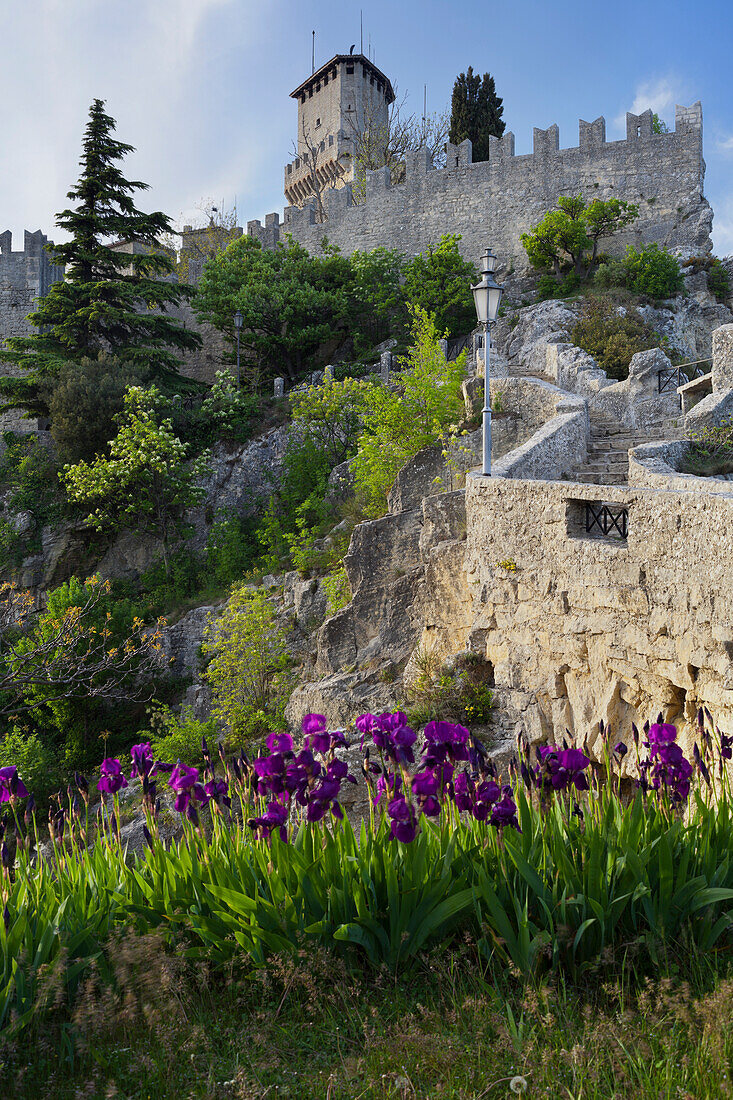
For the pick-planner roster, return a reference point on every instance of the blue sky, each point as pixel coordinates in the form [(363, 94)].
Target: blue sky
[(201, 87)]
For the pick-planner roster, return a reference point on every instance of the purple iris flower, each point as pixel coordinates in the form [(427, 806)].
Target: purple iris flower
[(218, 791), (112, 778), (504, 813), (280, 743), (403, 820), (142, 760), (314, 723), (726, 747), (275, 817), (11, 785), (446, 739), (425, 784), (661, 733), (463, 792), (185, 782), (620, 749)]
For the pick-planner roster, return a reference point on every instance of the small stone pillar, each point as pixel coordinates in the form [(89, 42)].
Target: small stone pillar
[(723, 358), (444, 347), (328, 373), (385, 366), (279, 387)]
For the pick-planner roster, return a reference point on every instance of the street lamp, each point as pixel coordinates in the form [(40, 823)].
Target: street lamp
[(487, 296), (238, 319)]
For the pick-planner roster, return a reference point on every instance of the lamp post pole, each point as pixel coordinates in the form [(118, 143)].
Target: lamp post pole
[(486, 415), (487, 298), (237, 325)]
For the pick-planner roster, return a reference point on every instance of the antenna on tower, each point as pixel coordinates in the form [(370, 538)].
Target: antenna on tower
[(425, 102), (361, 31), (313, 56)]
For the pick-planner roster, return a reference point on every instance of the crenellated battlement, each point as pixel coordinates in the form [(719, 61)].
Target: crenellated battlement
[(499, 199), (24, 277)]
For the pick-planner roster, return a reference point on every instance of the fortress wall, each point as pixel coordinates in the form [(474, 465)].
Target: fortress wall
[(495, 201)]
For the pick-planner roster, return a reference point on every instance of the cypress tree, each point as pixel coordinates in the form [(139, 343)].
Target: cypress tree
[(110, 302), (476, 112)]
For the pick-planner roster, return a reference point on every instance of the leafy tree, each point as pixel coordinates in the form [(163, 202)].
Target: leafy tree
[(476, 112), (438, 282), (72, 665), (398, 424), (86, 398), (145, 484), (331, 414), (382, 310), (719, 280), (659, 126), (110, 300), (248, 667), (569, 236), (296, 308)]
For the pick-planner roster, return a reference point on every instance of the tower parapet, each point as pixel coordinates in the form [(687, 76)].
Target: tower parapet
[(499, 199), (24, 277)]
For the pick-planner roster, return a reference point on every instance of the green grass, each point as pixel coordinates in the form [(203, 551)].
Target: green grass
[(313, 1028)]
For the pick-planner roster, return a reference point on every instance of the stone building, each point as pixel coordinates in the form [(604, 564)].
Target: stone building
[(24, 277), (499, 199), (342, 98)]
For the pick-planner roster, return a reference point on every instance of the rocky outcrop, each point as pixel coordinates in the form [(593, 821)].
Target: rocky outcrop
[(637, 403), (522, 337)]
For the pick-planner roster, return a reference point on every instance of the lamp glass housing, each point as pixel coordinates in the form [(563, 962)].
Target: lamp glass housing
[(238, 319)]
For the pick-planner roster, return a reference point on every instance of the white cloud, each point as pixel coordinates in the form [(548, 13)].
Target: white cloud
[(660, 94), (724, 145), (175, 75)]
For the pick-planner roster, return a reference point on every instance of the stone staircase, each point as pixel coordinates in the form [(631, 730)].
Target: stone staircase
[(609, 445)]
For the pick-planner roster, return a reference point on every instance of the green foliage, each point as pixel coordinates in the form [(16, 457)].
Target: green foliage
[(659, 126), (476, 112), (227, 409), (330, 415), (611, 338), (248, 670), (179, 736), (649, 271), (380, 295), (36, 760), (710, 451), (719, 283), (71, 727), (568, 238), (438, 282), (653, 271), (296, 308), (399, 424), (230, 547), (145, 484), (110, 301), (338, 590), (460, 691), (86, 399), (29, 475)]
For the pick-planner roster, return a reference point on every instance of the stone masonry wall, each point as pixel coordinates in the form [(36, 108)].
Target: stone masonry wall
[(590, 628), (497, 200)]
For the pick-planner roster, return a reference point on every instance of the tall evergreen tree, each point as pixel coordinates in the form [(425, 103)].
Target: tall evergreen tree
[(110, 301), (476, 112)]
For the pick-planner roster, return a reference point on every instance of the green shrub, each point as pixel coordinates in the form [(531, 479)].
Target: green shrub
[(710, 452), (612, 338), (36, 760), (399, 424), (438, 282), (719, 281), (227, 409), (29, 474), (84, 403), (249, 666), (179, 736), (230, 548), (338, 590), (653, 271)]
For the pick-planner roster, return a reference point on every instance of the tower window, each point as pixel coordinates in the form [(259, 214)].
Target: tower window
[(318, 87), (638, 131), (371, 80), (325, 80), (349, 68), (310, 93), (318, 122)]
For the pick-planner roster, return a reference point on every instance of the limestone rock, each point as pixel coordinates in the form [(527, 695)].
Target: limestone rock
[(525, 344), (182, 640), (636, 401)]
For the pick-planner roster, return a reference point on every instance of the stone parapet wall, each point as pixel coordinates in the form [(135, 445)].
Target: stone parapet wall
[(591, 628), (499, 199)]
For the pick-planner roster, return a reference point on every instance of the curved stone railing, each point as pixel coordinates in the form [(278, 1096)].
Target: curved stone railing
[(656, 466), (558, 445)]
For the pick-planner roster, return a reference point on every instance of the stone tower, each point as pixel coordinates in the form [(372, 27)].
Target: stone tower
[(343, 97)]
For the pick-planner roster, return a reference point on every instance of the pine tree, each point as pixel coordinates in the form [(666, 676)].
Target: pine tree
[(476, 112), (110, 302)]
